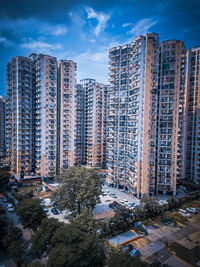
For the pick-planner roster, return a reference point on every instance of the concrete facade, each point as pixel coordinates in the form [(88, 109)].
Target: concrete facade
[(19, 116), (94, 122), (144, 113), (2, 127)]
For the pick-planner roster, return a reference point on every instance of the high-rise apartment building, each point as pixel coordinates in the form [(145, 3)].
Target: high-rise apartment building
[(66, 113), (2, 127), (94, 122), (191, 133), (146, 81), (19, 116), (171, 90), (45, 115), (53, 122), (131, 121), (79, 124)]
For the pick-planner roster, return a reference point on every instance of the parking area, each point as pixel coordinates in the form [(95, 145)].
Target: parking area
[(111, 194), (48, 205)]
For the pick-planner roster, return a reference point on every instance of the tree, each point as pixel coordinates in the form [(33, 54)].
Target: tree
[(158, 264), (34, 264), (151, 206), (24, 195), (13, 243), (12, 234), (17, 250), (3, 223), (86, 222), (172, 203), (79, 188), (30, 213), (41, 241), (121, 220), (4, 177), (73, 247), (117, 258)]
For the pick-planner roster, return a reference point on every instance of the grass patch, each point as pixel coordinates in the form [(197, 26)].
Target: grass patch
[(189, 255), (24, 190), (177, 217)]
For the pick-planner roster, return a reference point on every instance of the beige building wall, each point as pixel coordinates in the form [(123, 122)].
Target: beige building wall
[(67, 73), (19, 117), (46, 115), (94, 121), (150, 116)]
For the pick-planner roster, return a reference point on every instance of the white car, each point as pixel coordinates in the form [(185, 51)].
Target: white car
[(126, 201), (184, 213), (192, 210), (45, 209), (122, 203), (10, 207)]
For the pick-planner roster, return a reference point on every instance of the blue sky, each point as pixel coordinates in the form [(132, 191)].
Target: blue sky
[(85, 30)]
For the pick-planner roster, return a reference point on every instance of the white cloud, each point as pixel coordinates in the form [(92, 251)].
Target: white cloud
[(20, 26), (92, 40), (143, 25), (53, 29), (97, 58), (127, 24), (41, 47), (5, 41), (93, 64), (102, 19), (193, 29)]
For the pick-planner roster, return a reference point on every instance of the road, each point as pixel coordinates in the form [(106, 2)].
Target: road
[(5, 259), (11, 215)]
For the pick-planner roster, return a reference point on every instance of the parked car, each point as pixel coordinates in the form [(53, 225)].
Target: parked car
[(192, 210), (113, 195), (56, 205), (184, 213), (10, 207), (41, 199), (5, 199), (15, 201), (113, 204), (135, 252), (54, 211), (45, 209), (128, 248), (121, 202)]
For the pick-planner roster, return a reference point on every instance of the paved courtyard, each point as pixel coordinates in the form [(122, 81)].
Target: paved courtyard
[(154, 246)]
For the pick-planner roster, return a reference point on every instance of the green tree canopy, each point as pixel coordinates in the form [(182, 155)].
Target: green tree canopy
[(13, 243), (17, 250), (117, 258), (151, 206), (73, 247), (41, 241), (30, 213), (87, 222), (4, 177), (3, 222), (121, 220), (79, 188)]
